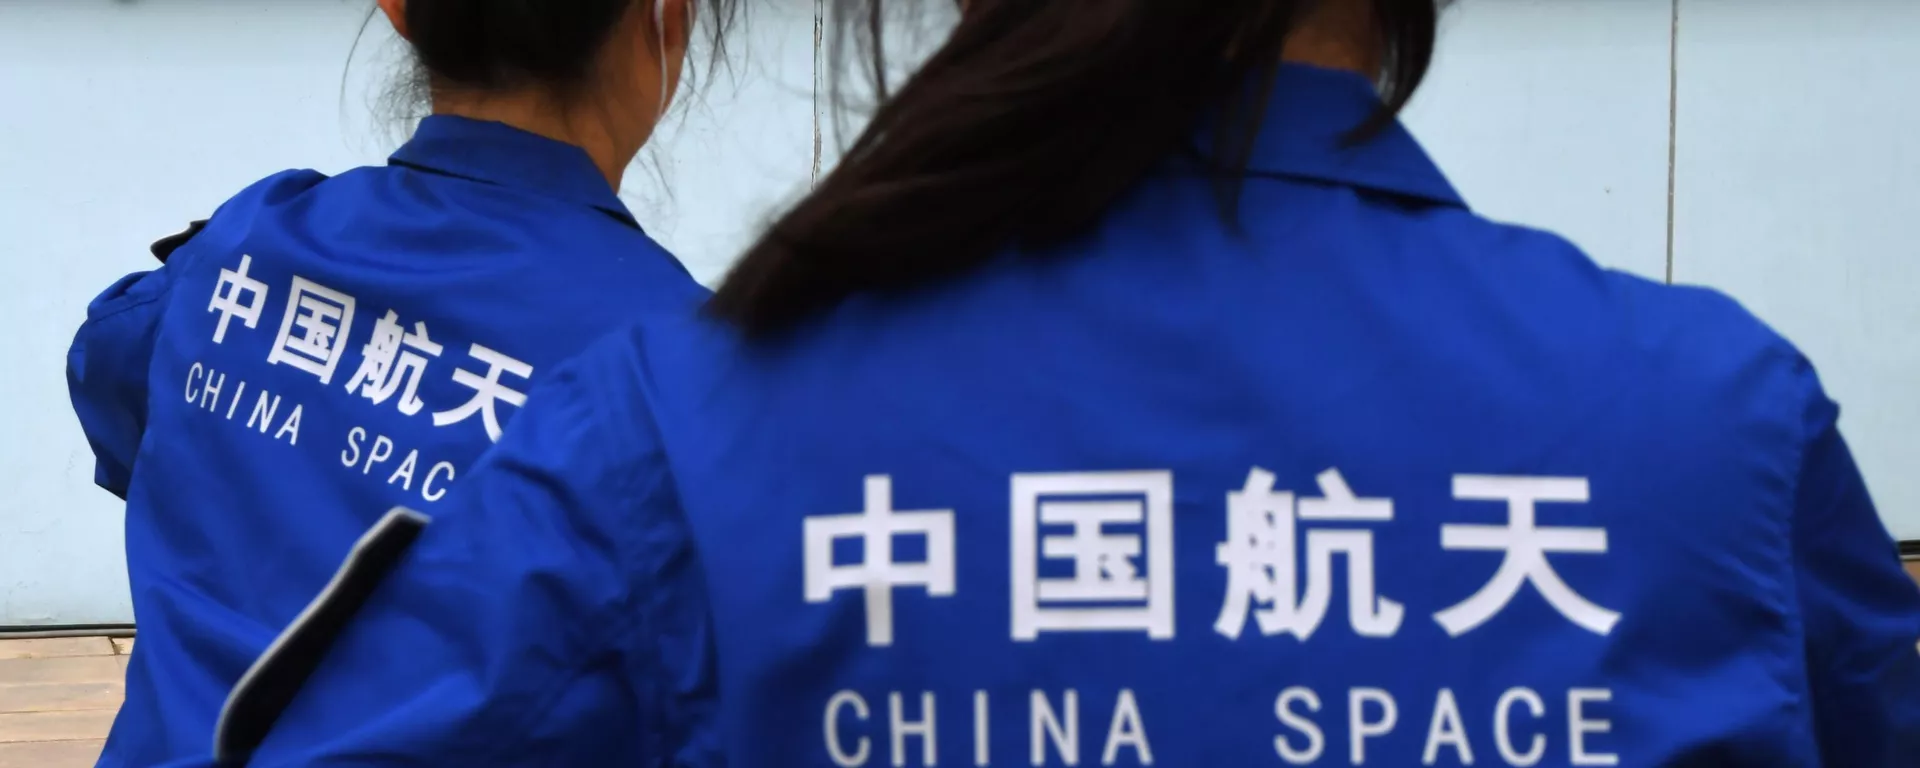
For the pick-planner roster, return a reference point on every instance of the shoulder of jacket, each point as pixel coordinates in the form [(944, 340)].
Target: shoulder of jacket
[(272, 188)]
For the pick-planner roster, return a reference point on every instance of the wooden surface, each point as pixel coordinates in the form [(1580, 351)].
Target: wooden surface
[(57, 699)]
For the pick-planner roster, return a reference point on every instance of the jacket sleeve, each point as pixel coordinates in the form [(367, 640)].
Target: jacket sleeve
[(550, 614), (107, 369), (108, 363), (1860, 611)]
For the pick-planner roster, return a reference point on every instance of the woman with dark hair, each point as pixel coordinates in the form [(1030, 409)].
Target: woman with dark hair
[(324, 348), (1136, 391)]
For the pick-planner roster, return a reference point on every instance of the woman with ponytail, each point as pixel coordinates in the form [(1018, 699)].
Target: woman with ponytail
[(324, 348), (1136, 391)]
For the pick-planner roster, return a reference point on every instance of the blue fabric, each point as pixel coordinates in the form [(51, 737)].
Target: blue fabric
[(252, 457), (1372, 481)]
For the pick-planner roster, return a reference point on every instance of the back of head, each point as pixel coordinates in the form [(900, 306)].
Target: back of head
[(492, 45), (1031, 120), (595, 73)]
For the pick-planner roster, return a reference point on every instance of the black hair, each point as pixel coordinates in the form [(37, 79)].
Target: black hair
[(490, 45), (1024, 127)]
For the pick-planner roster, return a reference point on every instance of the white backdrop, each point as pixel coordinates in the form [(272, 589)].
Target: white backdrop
[(1788, 146)]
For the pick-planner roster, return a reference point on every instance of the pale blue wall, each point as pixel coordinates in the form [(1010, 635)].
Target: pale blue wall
[(1798, 190), (1794, 173)]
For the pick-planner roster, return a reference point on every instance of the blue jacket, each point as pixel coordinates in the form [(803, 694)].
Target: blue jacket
[(1371, 481), (320, 350)]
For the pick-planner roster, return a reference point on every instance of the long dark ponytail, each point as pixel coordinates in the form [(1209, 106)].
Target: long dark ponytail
[(1031, 119)]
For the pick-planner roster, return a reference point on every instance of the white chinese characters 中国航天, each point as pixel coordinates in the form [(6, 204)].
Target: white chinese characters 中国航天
[(878, 574), (1261, 547), (1118, 547), (314, 337), (394, 356), (237, 295), (1525, 546), (487, 390), (313, 334), (1120, 582)]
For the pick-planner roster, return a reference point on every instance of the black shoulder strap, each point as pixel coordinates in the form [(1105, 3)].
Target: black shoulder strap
[(271, 684), (164, 247)]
